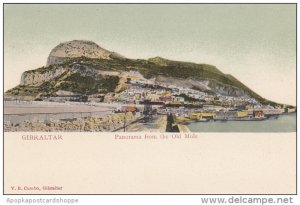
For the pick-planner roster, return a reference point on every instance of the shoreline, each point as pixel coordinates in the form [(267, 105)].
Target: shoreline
[(52, 117)]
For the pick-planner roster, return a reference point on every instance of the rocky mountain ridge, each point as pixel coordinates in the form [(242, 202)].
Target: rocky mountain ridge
[(83, 67), (78, 48)]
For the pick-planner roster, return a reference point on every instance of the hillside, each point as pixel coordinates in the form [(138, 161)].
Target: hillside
[(84, 67)]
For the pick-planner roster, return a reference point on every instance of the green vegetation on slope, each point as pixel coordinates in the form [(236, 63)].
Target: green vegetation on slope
[(88, 84), (23, 90), (73, 82)]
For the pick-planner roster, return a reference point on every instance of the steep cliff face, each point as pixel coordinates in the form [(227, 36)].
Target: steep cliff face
[(78, 48), (224, 89), (37, 77), (206, 85)]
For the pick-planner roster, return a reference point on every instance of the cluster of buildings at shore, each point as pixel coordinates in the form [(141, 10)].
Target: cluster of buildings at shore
[(194, 104), (180, 101)]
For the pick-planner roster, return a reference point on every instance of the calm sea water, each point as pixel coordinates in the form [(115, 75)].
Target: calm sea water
[(285, 123)]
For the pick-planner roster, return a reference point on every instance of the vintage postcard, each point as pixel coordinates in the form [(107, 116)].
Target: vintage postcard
[(149, 98)]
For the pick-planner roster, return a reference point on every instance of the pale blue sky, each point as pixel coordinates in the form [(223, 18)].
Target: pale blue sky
[(256, 43)]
